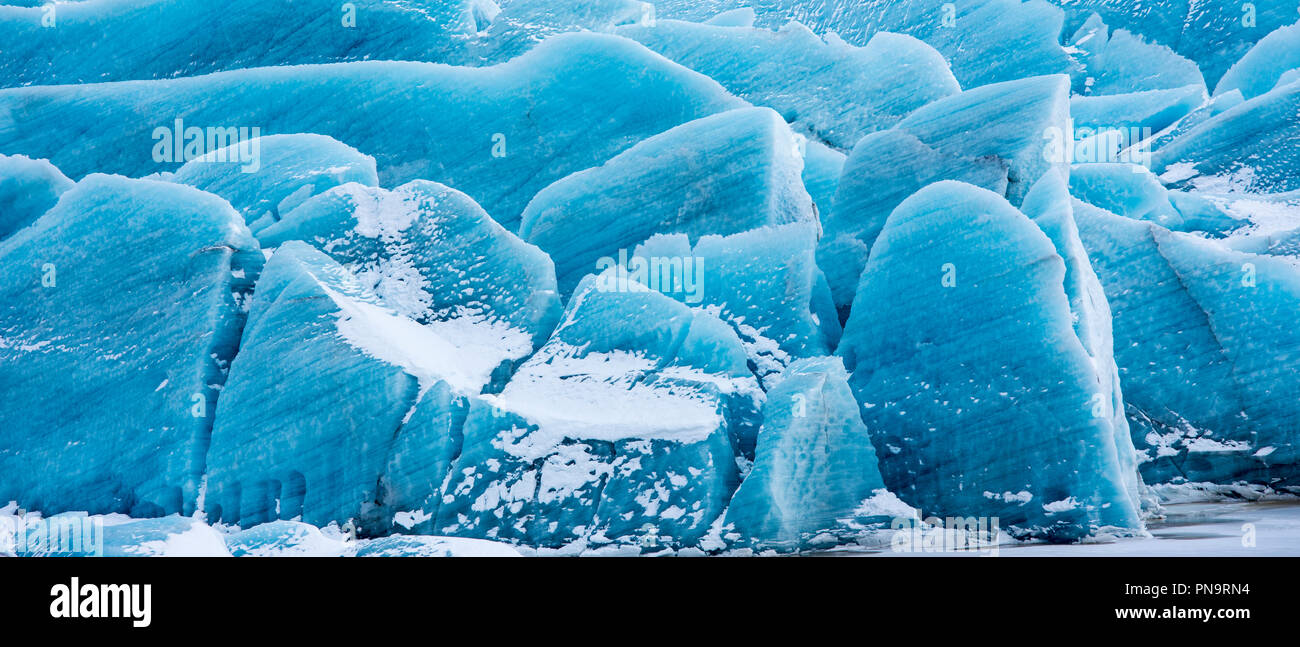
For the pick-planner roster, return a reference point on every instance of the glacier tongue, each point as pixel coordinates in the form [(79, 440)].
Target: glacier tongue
[(118, 405), (965, 349)]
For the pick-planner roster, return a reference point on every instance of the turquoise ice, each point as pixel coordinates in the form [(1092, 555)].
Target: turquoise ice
[(112, 411), (999, 137), (500, 134), (327, 374), (763, 282), (723, 174), (815, 482), (434, 256), (982, 397), (614, 434), (264, 178), (827, 88), (28, 188), (1202, 348)]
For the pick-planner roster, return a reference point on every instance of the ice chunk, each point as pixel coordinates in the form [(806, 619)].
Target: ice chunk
[(829, 89), (814, 465), (1137, 116), (419, 461), (281, 538), (1213, 34), (172, 536), (1202, 346), (998, 137), (1264, 66), (1254, 143), (499, 134), (325, 375), (1127, 190), (1050, 205), (436, 257), (123, 307), (723, 174), (762, 282), (822, 168), (1121, 63), (271, 175), (972, 379), (28, 188), (614, 433)]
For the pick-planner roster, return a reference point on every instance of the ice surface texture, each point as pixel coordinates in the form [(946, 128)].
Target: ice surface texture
[(500, 134), (979, 393), (429, 278), (118, 404), (1204, 349)]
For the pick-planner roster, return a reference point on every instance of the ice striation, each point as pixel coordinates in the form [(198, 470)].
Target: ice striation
[(1203, 349), (764, 282), (28, 188), (1213, 34), (1251, 146), (118, 404), (826, 88), (1265, 66), (435, 256), (981, 397), (815, 482), (326, 375), (998, 137), (265, 178), (500, 134)]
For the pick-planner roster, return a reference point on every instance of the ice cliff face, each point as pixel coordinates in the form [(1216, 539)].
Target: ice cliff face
[(630, 277)]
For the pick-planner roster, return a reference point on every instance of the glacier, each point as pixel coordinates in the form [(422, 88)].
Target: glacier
[(265, 178), (623, 277), (967, 137), (1202, 348)]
